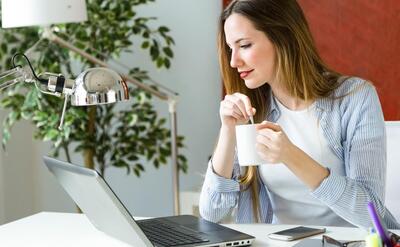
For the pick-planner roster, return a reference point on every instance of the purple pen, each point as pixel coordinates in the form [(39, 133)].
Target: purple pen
[(378, 225)]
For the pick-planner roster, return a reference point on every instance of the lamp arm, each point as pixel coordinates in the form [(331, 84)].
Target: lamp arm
[(63, 112), (174, 154), (49, 34), (24, 74), (15, 75)]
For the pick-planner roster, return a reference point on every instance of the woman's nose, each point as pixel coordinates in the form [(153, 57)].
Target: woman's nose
[(235, 59)]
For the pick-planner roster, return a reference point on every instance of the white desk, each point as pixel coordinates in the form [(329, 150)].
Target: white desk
[(66, 229)]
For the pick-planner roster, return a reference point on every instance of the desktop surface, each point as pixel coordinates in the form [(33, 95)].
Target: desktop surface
[(70, 229)]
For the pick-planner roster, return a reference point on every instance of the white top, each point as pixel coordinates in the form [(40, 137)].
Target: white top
[(291, 200)]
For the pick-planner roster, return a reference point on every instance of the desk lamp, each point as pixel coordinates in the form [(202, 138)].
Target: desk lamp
[(47, 12), (93, 86)]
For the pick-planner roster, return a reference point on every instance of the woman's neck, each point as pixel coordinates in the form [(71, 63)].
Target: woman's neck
[(292, 103)]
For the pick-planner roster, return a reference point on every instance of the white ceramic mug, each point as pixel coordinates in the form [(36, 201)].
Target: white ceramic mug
[(246, 145)]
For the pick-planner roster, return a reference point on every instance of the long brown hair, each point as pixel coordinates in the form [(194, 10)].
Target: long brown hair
[(298, 65)]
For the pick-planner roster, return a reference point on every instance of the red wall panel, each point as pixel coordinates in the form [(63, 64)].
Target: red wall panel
[(360, 38), (225, 2)]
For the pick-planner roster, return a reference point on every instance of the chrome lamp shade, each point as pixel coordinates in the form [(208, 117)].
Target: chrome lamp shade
[(99, 86), (22, 13)]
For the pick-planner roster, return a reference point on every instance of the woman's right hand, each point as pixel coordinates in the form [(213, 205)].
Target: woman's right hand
[(235, 109)]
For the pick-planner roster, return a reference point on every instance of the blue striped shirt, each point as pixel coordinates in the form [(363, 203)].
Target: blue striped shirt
[(355, 130)]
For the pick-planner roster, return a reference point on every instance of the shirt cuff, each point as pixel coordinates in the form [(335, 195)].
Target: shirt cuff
[(218, 183), (331, 189)]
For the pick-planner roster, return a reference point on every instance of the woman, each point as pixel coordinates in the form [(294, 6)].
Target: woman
[(323, 138)]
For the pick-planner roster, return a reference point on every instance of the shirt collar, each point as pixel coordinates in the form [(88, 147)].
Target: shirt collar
[(322, 104), (273, 111)]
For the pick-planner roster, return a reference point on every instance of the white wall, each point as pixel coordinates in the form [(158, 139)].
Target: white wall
[(26, 186), (17, 174), (2, 190)]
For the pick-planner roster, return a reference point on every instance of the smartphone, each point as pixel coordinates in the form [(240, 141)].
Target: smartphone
[(296, 233)]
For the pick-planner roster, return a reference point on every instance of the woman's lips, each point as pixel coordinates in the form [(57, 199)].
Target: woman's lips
[(244, 74)]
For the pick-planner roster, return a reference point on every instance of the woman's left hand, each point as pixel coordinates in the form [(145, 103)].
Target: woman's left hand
[(272, 145)]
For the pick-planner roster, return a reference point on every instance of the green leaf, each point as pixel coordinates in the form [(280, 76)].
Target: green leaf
[(163, 159), (6, 102), (50, 135), (165, 152), (160, 62), (154, 52), (133, 120), (169, 40), (156, 163), (137, 172), (4, 48), (163, 29), (31, 99), (150, 154), (13, 117), (26, 115), (168, 52), (39, 116), (136, 30), (146, 34), (145, 44), (139, 167), (167, 63), (6, 137)]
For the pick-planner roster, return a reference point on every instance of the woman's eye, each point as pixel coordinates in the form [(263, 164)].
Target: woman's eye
[(245, 46)]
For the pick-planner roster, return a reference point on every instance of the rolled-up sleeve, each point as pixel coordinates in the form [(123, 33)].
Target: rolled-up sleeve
[(219, 195)]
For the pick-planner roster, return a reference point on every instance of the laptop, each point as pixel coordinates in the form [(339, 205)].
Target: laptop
[(107, 213)]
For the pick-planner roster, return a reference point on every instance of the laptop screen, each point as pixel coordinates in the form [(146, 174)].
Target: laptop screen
[(97, 200)]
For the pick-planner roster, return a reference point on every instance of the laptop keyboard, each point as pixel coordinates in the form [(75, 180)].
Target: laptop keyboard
[(164, 234)]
